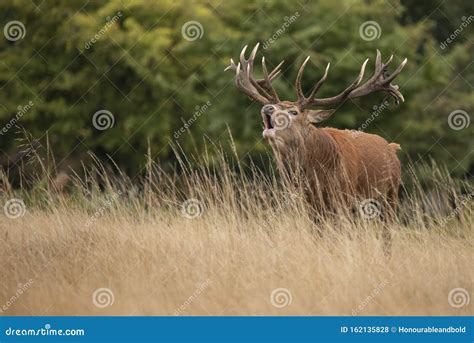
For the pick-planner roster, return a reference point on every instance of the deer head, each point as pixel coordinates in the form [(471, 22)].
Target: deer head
[(286, 123)]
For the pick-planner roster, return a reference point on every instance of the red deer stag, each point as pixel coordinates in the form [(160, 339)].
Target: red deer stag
[(348, 164)]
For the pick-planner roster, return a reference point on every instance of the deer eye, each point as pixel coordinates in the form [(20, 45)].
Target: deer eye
[(293, 113)]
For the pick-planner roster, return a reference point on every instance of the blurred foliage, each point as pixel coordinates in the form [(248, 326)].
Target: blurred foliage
[(142, 70)]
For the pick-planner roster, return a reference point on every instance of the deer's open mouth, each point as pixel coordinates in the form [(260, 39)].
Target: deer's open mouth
[(268, 128), (267, 122)]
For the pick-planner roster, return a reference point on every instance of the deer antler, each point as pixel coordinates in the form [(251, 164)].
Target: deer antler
[(260, 90), (379, 82)]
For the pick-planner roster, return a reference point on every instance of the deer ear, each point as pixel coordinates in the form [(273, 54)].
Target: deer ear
[(317, 116)]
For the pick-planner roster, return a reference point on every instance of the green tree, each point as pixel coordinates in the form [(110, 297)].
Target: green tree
[(153, 65)]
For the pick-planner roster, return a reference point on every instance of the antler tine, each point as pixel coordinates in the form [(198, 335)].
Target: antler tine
[(344, 94), (251, 59), (358, 80), (301, 98), (299, 90), (237, 75), (276, 71), (254, 51), (264, 84), (245, 85), (261, 85), (378, 61), (268, 82), (379, 65), (260, 90), (320, 83), (273, 74), (231, 66), (393, 90), (376, 83), (388, 61), (238, 80), (396, 72), (243, 62), (395, 93)]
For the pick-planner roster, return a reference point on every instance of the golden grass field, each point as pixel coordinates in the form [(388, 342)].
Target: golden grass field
[(251, 249)]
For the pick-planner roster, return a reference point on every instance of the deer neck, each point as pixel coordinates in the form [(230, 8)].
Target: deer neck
[(315, 152), (321, 150)]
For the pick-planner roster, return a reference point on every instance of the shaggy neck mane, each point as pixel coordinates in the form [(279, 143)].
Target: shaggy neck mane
[(318, 155), (322, 151)]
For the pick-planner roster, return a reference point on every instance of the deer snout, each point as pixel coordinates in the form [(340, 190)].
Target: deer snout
[(268, 109), (267, 112)]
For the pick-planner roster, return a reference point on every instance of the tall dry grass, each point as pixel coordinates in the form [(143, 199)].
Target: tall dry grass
[(252, 248)]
